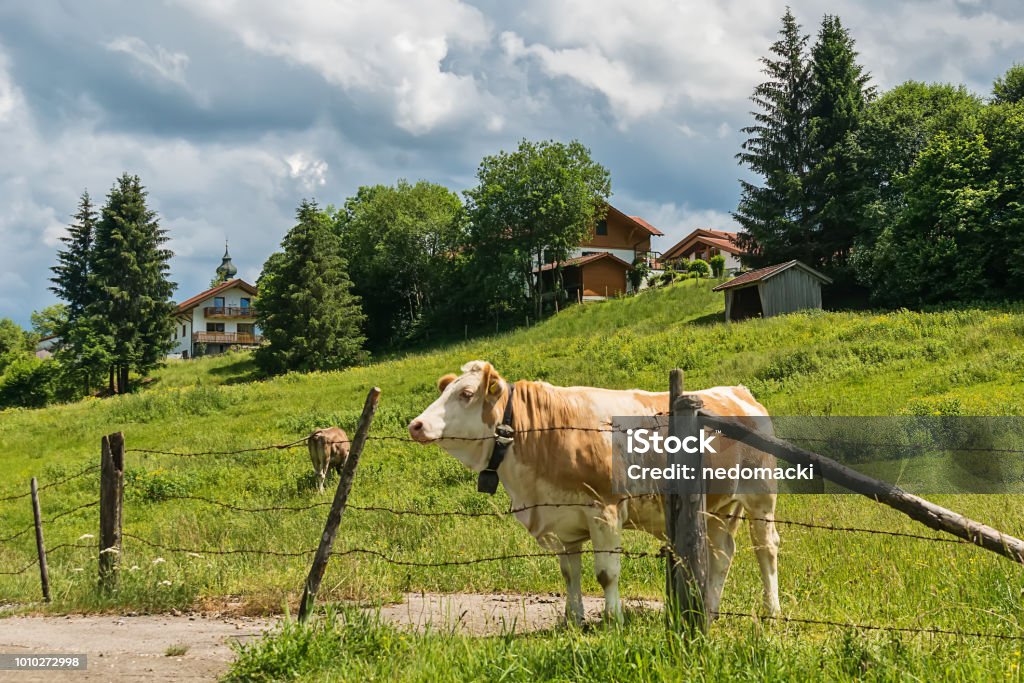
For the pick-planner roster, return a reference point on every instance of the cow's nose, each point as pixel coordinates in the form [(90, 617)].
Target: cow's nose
[(416, 429)]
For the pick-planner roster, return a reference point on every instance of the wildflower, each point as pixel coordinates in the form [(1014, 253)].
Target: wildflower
[(76, 569), (165, 582), (134, 568), (85, 536), (193, 554), (159, 560)]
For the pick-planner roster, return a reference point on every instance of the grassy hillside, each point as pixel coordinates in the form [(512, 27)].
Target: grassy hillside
[(964, 361)]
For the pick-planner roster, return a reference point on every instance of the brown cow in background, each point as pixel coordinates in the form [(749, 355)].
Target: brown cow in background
[(327, 448)]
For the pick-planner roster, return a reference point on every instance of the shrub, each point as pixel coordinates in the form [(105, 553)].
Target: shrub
[(28, 382), (717, 263), (699, 267)]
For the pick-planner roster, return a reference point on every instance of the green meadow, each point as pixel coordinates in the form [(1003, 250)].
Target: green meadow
[(966, 361)]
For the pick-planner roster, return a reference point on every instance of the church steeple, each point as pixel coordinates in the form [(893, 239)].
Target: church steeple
[(226, 270)]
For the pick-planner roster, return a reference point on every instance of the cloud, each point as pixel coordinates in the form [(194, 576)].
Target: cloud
[(168, 65), (312, 173), (395, 51)]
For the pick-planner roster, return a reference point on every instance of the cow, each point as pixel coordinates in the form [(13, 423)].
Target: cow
[(327, 448), (573, 469)]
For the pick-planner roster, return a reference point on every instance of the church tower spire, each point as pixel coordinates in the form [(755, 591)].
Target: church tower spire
[(226, 270)]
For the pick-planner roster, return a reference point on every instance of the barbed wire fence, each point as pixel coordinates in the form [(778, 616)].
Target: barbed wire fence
[(114, 551)]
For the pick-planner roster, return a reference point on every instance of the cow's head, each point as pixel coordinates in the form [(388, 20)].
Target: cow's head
[(463, 418)]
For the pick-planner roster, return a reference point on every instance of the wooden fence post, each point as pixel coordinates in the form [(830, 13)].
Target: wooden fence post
[(348, 471), (686, 522), (111, 499), (37, 513)]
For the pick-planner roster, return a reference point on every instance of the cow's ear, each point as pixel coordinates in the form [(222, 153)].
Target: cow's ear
[(495, 389), (443, 382)]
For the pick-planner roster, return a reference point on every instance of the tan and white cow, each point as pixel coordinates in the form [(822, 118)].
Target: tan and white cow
[(546, 465), (327, 448)]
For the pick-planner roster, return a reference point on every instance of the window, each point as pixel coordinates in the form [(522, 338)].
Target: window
[(601, 228), (218, 301), (244, 303), (214, 327), (182, 330), (246, 328)]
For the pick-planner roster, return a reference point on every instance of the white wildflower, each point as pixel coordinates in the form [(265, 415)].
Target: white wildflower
[(159, 560), (165, 582), (85, 536)]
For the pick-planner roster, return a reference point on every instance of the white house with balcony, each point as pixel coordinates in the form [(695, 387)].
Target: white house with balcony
[(221, 318)]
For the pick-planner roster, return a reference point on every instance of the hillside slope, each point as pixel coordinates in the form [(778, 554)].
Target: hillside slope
[(964, 361)]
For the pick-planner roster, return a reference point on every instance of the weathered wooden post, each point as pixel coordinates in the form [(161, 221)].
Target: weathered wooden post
[(685, 519), (348, 471), (37, 513), (111, 499)]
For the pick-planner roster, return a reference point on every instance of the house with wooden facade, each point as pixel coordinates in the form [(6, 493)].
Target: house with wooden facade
[(599, 267), (703, 243), (218, 319)]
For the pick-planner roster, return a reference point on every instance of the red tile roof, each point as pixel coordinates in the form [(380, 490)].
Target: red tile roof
[(188, 304), (723, 239), (647, 226), (762, 274), (582, 261)]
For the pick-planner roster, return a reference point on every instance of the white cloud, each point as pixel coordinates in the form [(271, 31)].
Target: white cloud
[(391, 49), (169, 65), (310, 172), (675, 220), (10, 96)]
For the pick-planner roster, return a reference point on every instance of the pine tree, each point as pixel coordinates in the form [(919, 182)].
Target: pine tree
[(833, 190), (307, 312), (71, 274), (772, 215), (81, 352), (131, 312)]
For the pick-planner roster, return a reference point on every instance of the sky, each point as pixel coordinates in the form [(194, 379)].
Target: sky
[(233, 111)]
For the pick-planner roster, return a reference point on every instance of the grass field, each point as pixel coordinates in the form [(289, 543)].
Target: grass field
[(950, 362)]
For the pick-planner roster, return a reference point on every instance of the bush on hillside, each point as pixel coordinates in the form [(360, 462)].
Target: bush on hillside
[(717, 263), (699, 267)]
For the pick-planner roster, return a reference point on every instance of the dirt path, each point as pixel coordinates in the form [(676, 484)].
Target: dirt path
[(134, 648)]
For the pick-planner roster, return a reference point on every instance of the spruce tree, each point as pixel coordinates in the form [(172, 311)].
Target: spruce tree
[(131, 311), (833, 190), (71, 274), (772, 215), (82, 352), (307, 312)]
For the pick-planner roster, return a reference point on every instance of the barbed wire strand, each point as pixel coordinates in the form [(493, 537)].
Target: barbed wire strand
[(53, 519), (925, 630), (49, 551), (82, 473)]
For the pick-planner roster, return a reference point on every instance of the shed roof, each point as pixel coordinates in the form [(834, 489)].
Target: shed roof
[(762, 274)]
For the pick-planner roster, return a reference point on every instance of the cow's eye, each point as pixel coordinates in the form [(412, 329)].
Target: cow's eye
[(467, 394)]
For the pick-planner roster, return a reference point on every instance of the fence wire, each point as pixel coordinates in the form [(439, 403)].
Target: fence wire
[(59, 546), (82, 473), (51, 520)]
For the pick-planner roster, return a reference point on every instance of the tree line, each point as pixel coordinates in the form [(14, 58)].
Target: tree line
[(909, 198)]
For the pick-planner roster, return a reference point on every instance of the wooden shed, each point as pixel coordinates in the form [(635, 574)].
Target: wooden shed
[(774, 290)]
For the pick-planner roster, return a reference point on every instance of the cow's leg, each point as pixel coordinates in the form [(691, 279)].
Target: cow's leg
[(721, 547), (765, 538), (606, 535), (570, 564)]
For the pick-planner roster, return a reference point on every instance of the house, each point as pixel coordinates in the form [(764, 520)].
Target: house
[(46, 346), (703, 243), (599, 267), (774, 290), (218, 319)]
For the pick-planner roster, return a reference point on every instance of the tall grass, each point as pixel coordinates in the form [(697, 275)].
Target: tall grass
[(965, 361)]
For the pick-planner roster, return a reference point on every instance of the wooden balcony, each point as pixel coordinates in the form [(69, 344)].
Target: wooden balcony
[(226, 338), (229, 312)]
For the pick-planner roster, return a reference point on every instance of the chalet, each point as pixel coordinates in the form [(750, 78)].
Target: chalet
[(218, 319), (599, 267), (774, 290), (703, 243)]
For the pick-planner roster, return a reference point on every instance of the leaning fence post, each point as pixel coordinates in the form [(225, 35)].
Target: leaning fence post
[(111, 499), (348, 471), (44, 575), (686, 523)]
